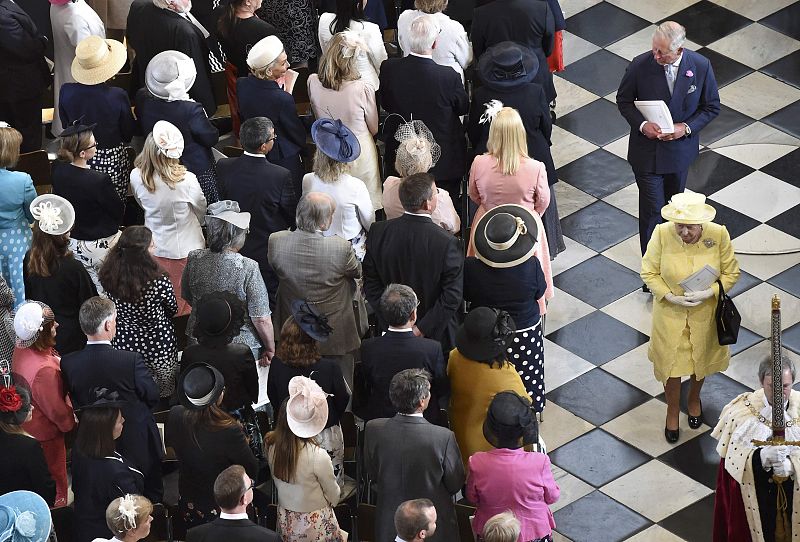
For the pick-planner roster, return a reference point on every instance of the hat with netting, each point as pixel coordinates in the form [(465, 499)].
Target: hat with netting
[(28, 321), (416, 143)]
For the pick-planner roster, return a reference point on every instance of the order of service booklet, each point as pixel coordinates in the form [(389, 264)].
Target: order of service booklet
[(658, 112), (700, 280)]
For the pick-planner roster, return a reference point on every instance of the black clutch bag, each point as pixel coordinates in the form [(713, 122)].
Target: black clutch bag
[(727, 317)]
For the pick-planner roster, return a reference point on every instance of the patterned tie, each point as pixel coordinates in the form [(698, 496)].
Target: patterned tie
[(669, 71)]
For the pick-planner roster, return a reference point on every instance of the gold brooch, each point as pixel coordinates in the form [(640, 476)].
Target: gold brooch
[(709, 243)]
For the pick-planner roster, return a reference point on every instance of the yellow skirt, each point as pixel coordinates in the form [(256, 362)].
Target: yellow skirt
[(684, 364)]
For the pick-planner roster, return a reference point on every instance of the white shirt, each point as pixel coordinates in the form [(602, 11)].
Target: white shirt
[(452, 46), (98, 342), (225, 515), (253, 154), (369, 61), (400, 330), (414, 415), (354, 211)]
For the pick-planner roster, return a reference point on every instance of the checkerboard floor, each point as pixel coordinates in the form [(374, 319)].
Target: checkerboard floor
[(619, 478)]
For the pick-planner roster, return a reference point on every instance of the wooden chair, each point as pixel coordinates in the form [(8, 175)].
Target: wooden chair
[(37, 165), (161, 528), (232, 152), (270, 517), (219, 85), (365, 524), (463, 513), (344, 515), (63, 519)]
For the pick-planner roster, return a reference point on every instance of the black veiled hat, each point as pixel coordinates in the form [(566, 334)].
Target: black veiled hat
[(199, 386), (485, 334), (220, 317), (311, 321), (507, 65), (510, 421)]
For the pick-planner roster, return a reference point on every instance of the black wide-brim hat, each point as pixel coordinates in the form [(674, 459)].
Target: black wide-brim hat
[(510, 421), (485, 334), (199, 386), (507, 65), (506, 236), (220, 317)]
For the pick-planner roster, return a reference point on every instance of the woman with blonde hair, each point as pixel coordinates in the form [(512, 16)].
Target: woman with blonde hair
[(173, 202), (128, 518), (506, 174), (504, 527), (337, 91)]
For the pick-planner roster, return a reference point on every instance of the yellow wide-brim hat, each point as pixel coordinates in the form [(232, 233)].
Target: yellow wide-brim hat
[(688, 208), (97, 60)]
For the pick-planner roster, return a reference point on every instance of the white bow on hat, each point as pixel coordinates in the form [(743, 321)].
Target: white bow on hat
[(168, 139)]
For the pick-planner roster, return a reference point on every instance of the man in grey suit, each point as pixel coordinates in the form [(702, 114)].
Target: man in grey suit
[(410, 458), (321, 270)]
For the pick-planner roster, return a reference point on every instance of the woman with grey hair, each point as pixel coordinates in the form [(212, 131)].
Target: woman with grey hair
[(220, 267)]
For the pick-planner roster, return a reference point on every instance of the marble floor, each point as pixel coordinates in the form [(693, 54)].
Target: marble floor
[(619, 478)]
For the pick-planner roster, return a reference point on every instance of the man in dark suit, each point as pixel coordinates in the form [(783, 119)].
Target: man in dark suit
[(262, 189), (155, 26), (398, 349), (410, 458), (23, 72), (415, 520), (233, 492), (660, 161), (438, 103), (99, 365), (414, 251)]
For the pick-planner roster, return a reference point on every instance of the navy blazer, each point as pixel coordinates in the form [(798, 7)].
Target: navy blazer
[(694, 100), (102, 366), (438, 103), (108, 107), (238, 530), (23, 71), (199, 135), (98, 208)]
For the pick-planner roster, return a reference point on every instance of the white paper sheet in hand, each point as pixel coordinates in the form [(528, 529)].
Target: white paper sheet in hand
[(658, 112), (701, 280)]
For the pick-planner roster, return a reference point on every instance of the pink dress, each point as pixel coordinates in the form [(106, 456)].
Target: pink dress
[(488, 188)]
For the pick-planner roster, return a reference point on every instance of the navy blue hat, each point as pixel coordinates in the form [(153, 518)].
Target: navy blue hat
[(77, 127), (507, 65), (335, 140), (311, 321)]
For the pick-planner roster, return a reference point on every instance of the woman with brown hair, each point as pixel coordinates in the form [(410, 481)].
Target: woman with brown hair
[(38, 366), (298, 355), (145, 301), (206, 440), (52, 275), (301, 470)]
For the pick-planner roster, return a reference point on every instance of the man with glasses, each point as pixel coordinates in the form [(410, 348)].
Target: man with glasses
[(233, 492)]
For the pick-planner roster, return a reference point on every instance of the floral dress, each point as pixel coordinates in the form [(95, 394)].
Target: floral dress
[(146, 327)]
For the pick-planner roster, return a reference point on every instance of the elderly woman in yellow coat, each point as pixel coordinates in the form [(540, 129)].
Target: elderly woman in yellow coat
[(684, 337), (478, 370)]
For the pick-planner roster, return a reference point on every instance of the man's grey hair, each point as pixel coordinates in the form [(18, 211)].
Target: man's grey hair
[(410, 518), (424, 31), (765, 368), (408, 388), (94, 313), (221, 235), (674, 33), (397, 303), (314, 212), (255, 132)]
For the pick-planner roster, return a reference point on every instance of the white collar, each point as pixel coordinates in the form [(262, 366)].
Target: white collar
[(400, 329), (398, 539), (98, 342), (417, 214), (225, 515), (414, 415), (254, 155), (677, 62), (412, 53)]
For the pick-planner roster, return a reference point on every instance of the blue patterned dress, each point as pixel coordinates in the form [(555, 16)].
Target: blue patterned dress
[(16, 194)]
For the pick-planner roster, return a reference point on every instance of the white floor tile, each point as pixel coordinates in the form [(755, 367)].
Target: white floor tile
[(758, 95), (756, 155), (575, 48), (568, 147), (570, 199), (754, 9), (626, 199), (572, 488), (635, 310), (652, 10), (656, 533), (641, 41), (570, 96), (755, 45), (559, 427), (571, 7), (755, 307), (575, 254), (619, 147), (744, 365), (767, 241), (766, 267), (757, 132), (634, 368), (759, 195), (565, 309), (561, 365)]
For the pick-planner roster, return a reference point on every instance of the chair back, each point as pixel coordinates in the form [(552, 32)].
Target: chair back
[(232, 152), (463, 515), (63, 519), (37, 165), (366, 522), (344, 515), (161, 527)]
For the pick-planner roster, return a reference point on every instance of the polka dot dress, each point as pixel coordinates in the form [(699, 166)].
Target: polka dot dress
[(14, 243), (114, 161), (527, 354), (146, 327)]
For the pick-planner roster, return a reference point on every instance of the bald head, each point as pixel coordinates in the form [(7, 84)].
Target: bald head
[(315, 212)]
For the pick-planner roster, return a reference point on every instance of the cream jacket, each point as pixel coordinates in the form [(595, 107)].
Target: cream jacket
[(314, 486)]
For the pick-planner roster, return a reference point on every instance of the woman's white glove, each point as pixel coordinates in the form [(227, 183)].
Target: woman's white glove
[(681, 300), (702, 295), (783, 469)]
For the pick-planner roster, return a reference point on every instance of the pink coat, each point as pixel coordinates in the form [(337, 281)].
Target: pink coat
[(516, 480)]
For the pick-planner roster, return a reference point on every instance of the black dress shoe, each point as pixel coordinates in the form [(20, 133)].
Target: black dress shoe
[(672, 435), (696, 421)]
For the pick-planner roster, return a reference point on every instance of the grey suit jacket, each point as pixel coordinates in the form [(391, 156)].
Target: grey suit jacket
[(320, 270), (410, 458)]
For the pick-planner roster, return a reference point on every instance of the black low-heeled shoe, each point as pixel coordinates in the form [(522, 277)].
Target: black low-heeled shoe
[(672, 435), (696, 421)]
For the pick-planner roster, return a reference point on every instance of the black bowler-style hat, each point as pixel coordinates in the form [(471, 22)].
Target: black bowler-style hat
[(199, 386), (506, 236), (507, 65), (220, 316)]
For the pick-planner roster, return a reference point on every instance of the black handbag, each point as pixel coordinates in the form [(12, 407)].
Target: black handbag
[(727, 317)]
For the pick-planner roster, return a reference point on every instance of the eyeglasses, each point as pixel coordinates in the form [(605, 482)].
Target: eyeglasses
[(273, 138), (249, 487), (94, 145)]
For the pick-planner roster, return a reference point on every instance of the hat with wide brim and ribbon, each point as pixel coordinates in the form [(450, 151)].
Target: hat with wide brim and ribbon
[(199, 386), (306, 408), (97, 60), (228, 210), (506, 236), (24, 517), (335, 140), (507, 65), (510, 421), (220, 317), (311, 321), (170, 75), (485, 334), (55, 214), (688, 208)]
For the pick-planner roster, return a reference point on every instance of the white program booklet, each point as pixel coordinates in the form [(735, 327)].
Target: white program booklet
[(658, 112), (701, 280)]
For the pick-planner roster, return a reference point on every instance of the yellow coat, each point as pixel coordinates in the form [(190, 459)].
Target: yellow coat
[(665, 264), (472, 386)]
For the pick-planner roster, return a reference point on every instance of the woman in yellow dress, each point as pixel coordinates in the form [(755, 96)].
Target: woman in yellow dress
[(684, 337)]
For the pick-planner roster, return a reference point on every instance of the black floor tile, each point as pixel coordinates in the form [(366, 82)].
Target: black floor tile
[(788, 221), (745, 340), (695, 523), (598, 122), (726, 70), (789, 280), (598, 517), (728, 121), (598, 281), (598, 457), (597, 396), (736, 222), (616, 24), (786, 167), (712, 172), (706, 22), (787, 69), (786, 21), (597, 337), (745, 282), (599, 173), (785, 119), (790, 338), (599, 226), (696, 458), (718, 391), (600, 72)]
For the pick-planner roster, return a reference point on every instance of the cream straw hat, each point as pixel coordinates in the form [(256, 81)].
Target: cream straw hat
[(98, 60)]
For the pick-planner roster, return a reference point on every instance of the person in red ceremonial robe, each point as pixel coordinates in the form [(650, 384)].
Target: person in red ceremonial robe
[(749, 504)]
